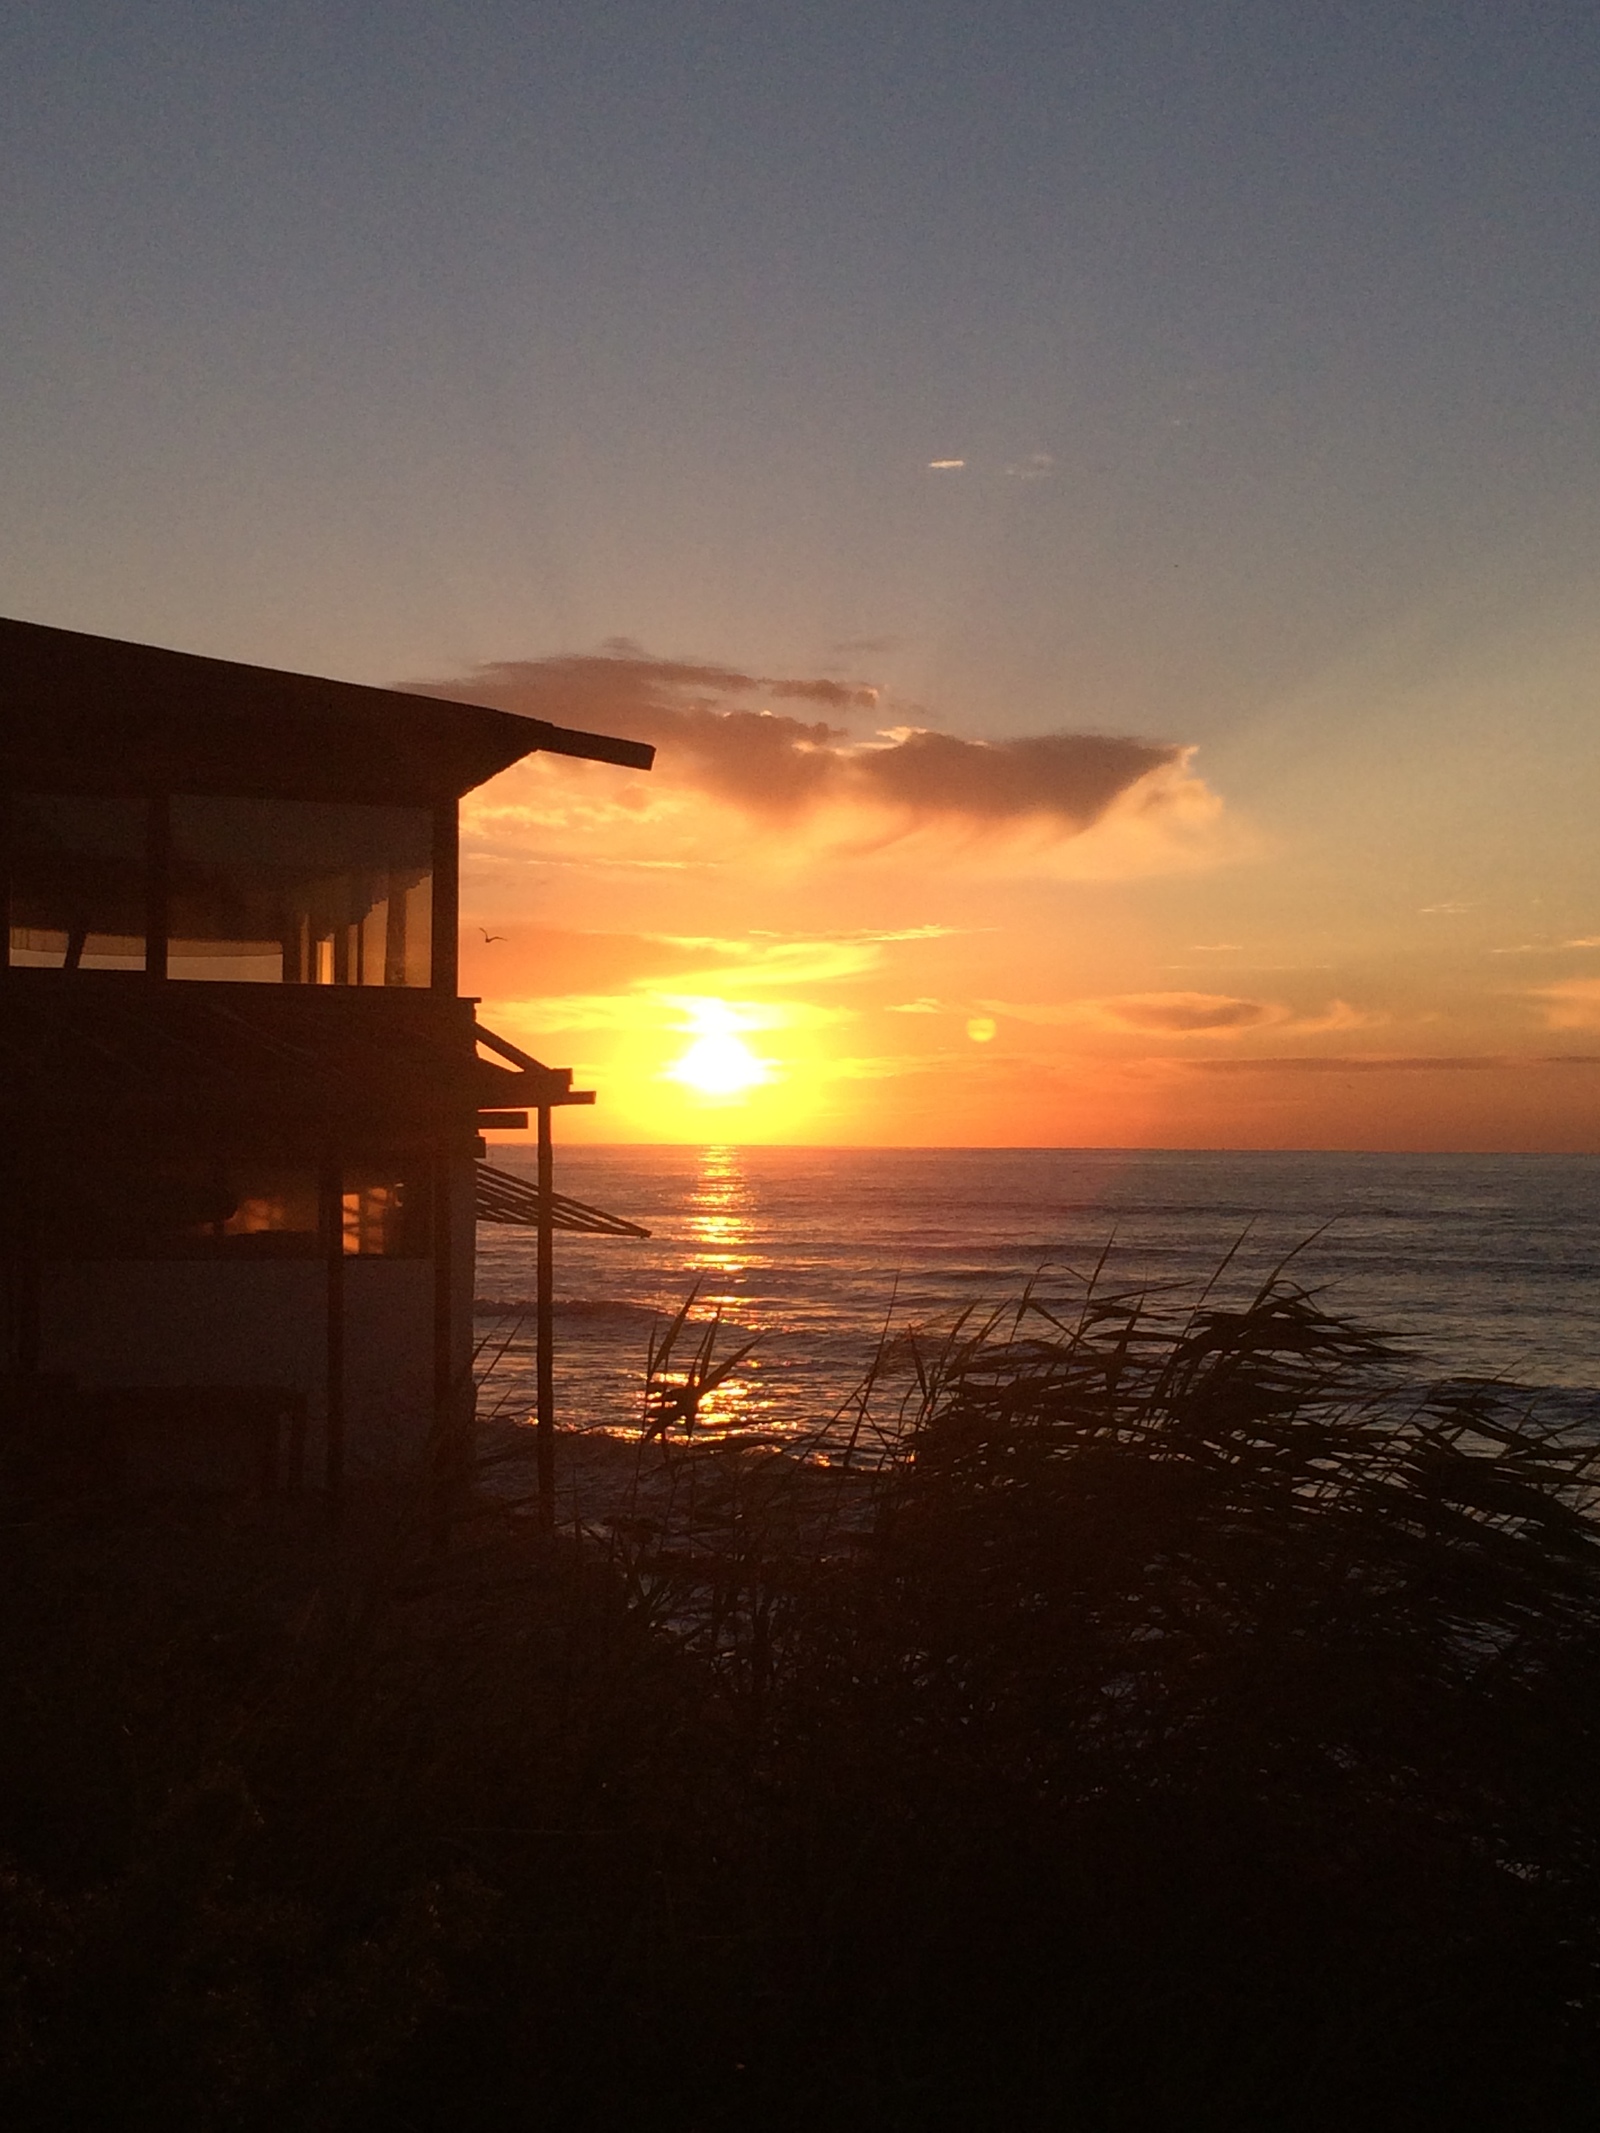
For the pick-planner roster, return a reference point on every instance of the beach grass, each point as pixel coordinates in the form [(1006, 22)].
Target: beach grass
[(1176, 1715)]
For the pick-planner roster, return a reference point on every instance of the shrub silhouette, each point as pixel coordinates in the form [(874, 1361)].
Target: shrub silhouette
[(1189, 1721)]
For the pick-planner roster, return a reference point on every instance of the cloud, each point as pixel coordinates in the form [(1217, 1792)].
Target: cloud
[(1186, 1014), (695, 712), (1574, 1005), (821, 962), (654, 1011), (718, 735), (808, 959), (1070, 777), (1370, 1063), (1183, 1014), (1338, 1014), (568, 967)]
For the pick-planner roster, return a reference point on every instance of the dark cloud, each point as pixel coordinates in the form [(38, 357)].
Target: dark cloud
[(1182, 1012), (1072, 776), (713, 729), (632, 690)]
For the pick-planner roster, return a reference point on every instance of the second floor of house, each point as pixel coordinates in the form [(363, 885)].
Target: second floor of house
[(240, 888), (193, 820)]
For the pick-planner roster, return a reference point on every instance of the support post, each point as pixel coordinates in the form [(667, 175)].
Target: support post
[(545, 1317), (333, 1245), (452, 1448)]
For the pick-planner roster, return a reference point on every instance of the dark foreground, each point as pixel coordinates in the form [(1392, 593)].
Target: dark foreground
[(1190, 1735)]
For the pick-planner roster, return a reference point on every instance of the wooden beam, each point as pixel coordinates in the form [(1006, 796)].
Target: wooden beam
[(503, 1197), (445, 947), (545, 1326), (332, 1215)]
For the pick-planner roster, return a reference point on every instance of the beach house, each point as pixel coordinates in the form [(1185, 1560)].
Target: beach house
[(240, 1097)]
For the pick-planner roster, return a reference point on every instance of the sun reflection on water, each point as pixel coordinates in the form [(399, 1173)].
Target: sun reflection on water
[(721, 1234), (719, 1223)]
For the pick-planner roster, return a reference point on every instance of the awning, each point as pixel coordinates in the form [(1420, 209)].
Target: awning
[(501, 1197)]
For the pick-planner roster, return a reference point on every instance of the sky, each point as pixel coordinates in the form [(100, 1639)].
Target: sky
[(1096, 506)]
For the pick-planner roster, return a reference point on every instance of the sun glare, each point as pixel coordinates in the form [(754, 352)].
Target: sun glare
[(719, 1063)]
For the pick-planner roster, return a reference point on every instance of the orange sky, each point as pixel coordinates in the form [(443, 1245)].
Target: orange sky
[(1116, 491), (825, 918)]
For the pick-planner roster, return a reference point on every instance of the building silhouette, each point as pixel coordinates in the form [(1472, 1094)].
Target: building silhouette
[(240, 1097)]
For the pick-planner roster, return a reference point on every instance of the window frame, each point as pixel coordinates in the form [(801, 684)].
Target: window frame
[(350, 1222), (444, 855)]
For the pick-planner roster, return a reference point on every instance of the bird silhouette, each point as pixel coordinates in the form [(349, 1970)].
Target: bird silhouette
[(491, 938)]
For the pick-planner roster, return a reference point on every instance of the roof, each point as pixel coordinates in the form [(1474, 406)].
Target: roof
[(89, 711)]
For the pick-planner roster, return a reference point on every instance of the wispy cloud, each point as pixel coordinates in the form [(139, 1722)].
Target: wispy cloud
[(647, 983), (574, 963), (790, 963), (1185, 1014), (1180, 1014), (650, 1011), (1574, 1005), (1378, 1063)]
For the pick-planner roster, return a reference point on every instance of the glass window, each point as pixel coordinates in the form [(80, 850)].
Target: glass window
[(78, 869), (301, 892), (385, 1213), (241, 1209), (196, 1210)]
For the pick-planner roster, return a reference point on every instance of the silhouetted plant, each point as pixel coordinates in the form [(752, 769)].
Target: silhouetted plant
[(1176, 1716)]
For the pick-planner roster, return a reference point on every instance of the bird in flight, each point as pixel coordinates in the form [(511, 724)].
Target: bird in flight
[(491, 938)]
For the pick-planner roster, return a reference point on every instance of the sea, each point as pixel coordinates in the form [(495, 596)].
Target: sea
[(1481, 1266)]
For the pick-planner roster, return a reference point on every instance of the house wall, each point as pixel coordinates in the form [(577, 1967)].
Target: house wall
[(142, 1322), (388, 1360), (145, 1323)]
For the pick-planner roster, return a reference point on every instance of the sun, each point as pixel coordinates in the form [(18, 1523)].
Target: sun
[(719, 1063)]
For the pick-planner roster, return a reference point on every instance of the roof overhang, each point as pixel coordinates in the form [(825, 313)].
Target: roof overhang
[(85, 711)]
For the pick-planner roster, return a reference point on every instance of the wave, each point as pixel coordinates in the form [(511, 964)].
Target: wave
[(566, 1307)]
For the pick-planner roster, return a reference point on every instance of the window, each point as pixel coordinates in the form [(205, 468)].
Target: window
[(300, 892), (385, 1213), (241, 1209), (79, 864), (195, 1210)]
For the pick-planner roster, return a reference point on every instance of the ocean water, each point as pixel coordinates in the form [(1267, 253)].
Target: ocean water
[(1484, 1265)]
